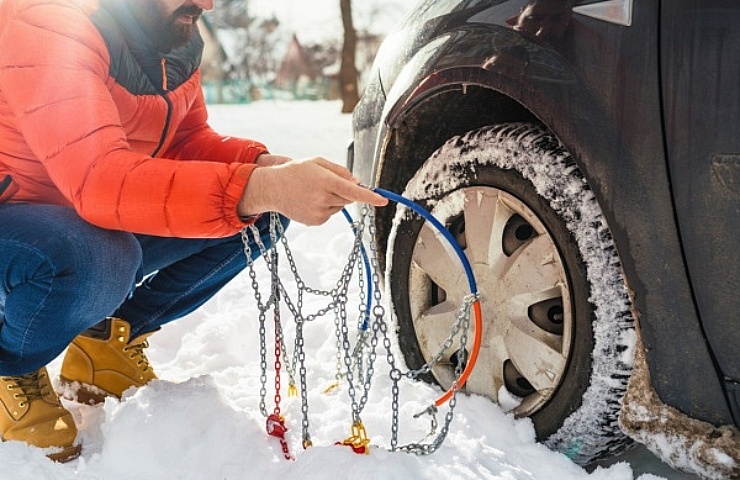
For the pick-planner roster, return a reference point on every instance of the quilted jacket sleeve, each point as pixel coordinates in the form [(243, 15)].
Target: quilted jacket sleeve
[(195, 139), (62, 105)]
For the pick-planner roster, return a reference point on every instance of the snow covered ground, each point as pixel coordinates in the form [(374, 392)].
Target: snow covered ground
[(202, 420)]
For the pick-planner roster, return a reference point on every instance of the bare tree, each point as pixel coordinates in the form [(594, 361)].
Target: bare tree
[(348, 84)]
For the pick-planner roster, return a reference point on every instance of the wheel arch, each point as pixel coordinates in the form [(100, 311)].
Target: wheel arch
[(453, 101)]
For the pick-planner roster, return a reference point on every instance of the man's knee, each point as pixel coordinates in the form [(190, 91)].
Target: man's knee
[(97, 254), (92, 268)]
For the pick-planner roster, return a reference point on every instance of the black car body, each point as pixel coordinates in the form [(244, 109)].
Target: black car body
[(644, 96)]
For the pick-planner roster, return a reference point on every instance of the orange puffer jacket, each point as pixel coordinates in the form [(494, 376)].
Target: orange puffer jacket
[(93, 118)]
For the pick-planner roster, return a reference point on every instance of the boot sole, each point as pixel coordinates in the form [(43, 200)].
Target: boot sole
[(82, 392), (66, 455)]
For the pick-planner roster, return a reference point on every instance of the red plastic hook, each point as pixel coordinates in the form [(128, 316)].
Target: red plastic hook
[(276, 428)]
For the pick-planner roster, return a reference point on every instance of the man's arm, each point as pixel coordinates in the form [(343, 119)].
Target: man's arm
[(307, 191), (196, 139)]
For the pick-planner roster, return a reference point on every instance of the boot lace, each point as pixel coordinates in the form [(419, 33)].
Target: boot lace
[(32, 385), (137, 353)]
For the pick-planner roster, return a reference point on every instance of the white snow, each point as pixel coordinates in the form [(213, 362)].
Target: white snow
[(202, 419)]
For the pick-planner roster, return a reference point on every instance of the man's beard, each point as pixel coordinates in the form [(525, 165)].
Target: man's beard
[(166, 33), (179, 34)]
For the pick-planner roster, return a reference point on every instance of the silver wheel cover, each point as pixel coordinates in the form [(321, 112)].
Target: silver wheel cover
[(509, 286)]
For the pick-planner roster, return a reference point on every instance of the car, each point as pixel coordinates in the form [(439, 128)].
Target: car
[(585, 155)]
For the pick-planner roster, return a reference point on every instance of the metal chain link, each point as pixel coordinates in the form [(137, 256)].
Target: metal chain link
[(305, 424), (463, 318), (359, 362), (278, 333), (338, 302), (262, 307), (461, 324)]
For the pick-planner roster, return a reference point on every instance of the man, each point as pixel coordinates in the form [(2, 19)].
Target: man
[(117, 201)]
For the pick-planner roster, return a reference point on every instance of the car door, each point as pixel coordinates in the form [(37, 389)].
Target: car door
[(700, 44)]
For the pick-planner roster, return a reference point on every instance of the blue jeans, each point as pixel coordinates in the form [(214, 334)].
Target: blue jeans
[(60, 275)]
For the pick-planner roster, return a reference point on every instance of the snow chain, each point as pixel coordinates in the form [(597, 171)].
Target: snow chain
[(356, 365)]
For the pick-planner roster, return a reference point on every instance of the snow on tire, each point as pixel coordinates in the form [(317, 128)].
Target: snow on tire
[(558, 339)]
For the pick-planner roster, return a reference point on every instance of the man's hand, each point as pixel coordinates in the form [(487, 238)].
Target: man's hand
[(307, 191)]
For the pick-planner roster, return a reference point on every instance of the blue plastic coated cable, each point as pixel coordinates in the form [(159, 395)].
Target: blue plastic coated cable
[(428, 217), (441, 228)]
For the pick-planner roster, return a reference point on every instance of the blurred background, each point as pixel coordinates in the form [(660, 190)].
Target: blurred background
[(293, 49)]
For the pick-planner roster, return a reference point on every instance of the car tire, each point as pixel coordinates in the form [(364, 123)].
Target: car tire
[(558, 336)]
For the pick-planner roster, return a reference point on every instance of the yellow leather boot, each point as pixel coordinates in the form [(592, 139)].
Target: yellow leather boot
[(103, 361), (31, 413)]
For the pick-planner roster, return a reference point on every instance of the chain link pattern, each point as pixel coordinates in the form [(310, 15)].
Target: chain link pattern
[(355, 364)]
